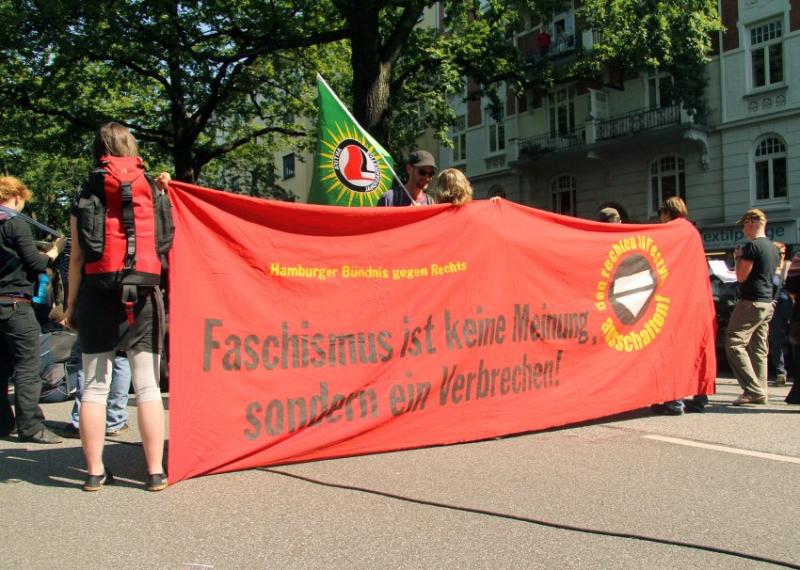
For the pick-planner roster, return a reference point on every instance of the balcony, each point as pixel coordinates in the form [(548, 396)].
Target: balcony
[(637, 121), (561, 52), (642, 127), (534, 147)]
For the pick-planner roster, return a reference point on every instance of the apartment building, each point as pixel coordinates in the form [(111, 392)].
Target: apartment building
[(582, 145)]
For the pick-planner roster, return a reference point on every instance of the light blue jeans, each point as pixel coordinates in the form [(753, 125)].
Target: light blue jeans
[(117, 404)]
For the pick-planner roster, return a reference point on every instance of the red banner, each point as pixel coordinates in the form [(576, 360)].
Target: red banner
[(306, 332)]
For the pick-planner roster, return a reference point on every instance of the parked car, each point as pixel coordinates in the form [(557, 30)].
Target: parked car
[(725, 292)]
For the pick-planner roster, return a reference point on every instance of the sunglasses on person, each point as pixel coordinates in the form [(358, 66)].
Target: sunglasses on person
[(428, 172)]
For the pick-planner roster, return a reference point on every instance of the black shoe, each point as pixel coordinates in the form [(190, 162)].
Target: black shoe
[(666, 410), (45, 436), (156, 482), (71, 432), (694, 407), (96, 482), (8, 430), (659, 409)]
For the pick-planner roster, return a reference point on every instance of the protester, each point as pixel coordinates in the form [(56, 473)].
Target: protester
[(453, 187), (106, 325), (624, 218), (420, 168), (117, 403), (674, 208), (748, 327), (48, 295), (609, 215), (20, 264), (792, 286), (780, 361)]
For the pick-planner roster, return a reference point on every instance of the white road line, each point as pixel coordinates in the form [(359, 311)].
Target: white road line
[(724, 448)]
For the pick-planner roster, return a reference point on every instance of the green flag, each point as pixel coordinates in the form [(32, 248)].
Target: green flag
[(350, 167)]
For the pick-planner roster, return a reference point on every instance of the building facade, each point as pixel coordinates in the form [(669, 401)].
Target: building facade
[(582, 145)]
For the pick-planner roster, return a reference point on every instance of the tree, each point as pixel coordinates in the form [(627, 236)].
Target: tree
[(224, 81), (198, 80), (397, 65), (655, 34)]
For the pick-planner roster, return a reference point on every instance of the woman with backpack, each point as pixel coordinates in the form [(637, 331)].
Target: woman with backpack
[(114, 299)]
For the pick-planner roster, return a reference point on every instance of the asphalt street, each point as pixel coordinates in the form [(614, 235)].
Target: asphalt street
[(719, 489)]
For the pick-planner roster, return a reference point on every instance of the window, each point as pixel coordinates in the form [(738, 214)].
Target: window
[(562, 112), (667, 179), (563, 192), (288, 166), (459, 135), (770, 169), (497, 135), (563, 33), (766, 54), (659, 90)]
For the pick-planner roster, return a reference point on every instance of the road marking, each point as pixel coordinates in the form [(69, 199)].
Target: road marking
[(724, 448)]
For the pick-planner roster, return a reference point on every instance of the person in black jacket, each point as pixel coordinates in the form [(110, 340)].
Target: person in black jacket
[(20, 263)]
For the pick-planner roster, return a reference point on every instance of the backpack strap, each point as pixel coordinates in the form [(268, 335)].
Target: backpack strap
[(126, 193)]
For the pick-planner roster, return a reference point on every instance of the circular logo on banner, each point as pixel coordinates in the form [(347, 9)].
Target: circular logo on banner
[(632, 288), (355, 166), (628, 291)]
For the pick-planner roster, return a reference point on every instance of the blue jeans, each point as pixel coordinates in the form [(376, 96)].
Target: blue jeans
[(117, 405), (780, 351)]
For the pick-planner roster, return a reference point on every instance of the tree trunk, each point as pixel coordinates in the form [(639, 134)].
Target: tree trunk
[(371, 98), (185, 170), (370, 74)]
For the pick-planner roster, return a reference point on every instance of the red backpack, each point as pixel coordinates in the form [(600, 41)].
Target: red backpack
[(124, 227)]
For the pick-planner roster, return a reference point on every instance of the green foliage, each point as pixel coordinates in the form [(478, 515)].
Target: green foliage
[(198, 80), (212, 88), (668, 35)]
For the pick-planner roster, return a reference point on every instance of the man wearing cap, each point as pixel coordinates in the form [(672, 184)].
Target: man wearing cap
[(420, 168), (748, 328)]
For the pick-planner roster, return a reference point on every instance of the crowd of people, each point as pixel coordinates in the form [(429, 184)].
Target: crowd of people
[(120, 326)]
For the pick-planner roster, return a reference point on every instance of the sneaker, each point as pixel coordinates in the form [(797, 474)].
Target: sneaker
[(747, 399), (96, 482), (45, 436), (156, 482), (117, 432), (71, 432)]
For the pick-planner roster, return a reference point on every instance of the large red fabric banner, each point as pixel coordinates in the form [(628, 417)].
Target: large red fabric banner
[(306, 332)]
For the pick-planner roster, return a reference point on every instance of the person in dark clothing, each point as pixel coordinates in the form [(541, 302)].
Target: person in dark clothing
[(674, 208), (780, 359), (748, 328), (420, 168), (20, 264)]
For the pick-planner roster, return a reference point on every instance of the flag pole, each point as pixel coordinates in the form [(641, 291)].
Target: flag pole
[(352, 118)]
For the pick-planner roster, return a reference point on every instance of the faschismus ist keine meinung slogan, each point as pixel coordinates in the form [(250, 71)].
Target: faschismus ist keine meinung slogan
[(301, 347)]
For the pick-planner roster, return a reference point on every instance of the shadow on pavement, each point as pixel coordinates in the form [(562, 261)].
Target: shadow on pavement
[(59, 466)]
